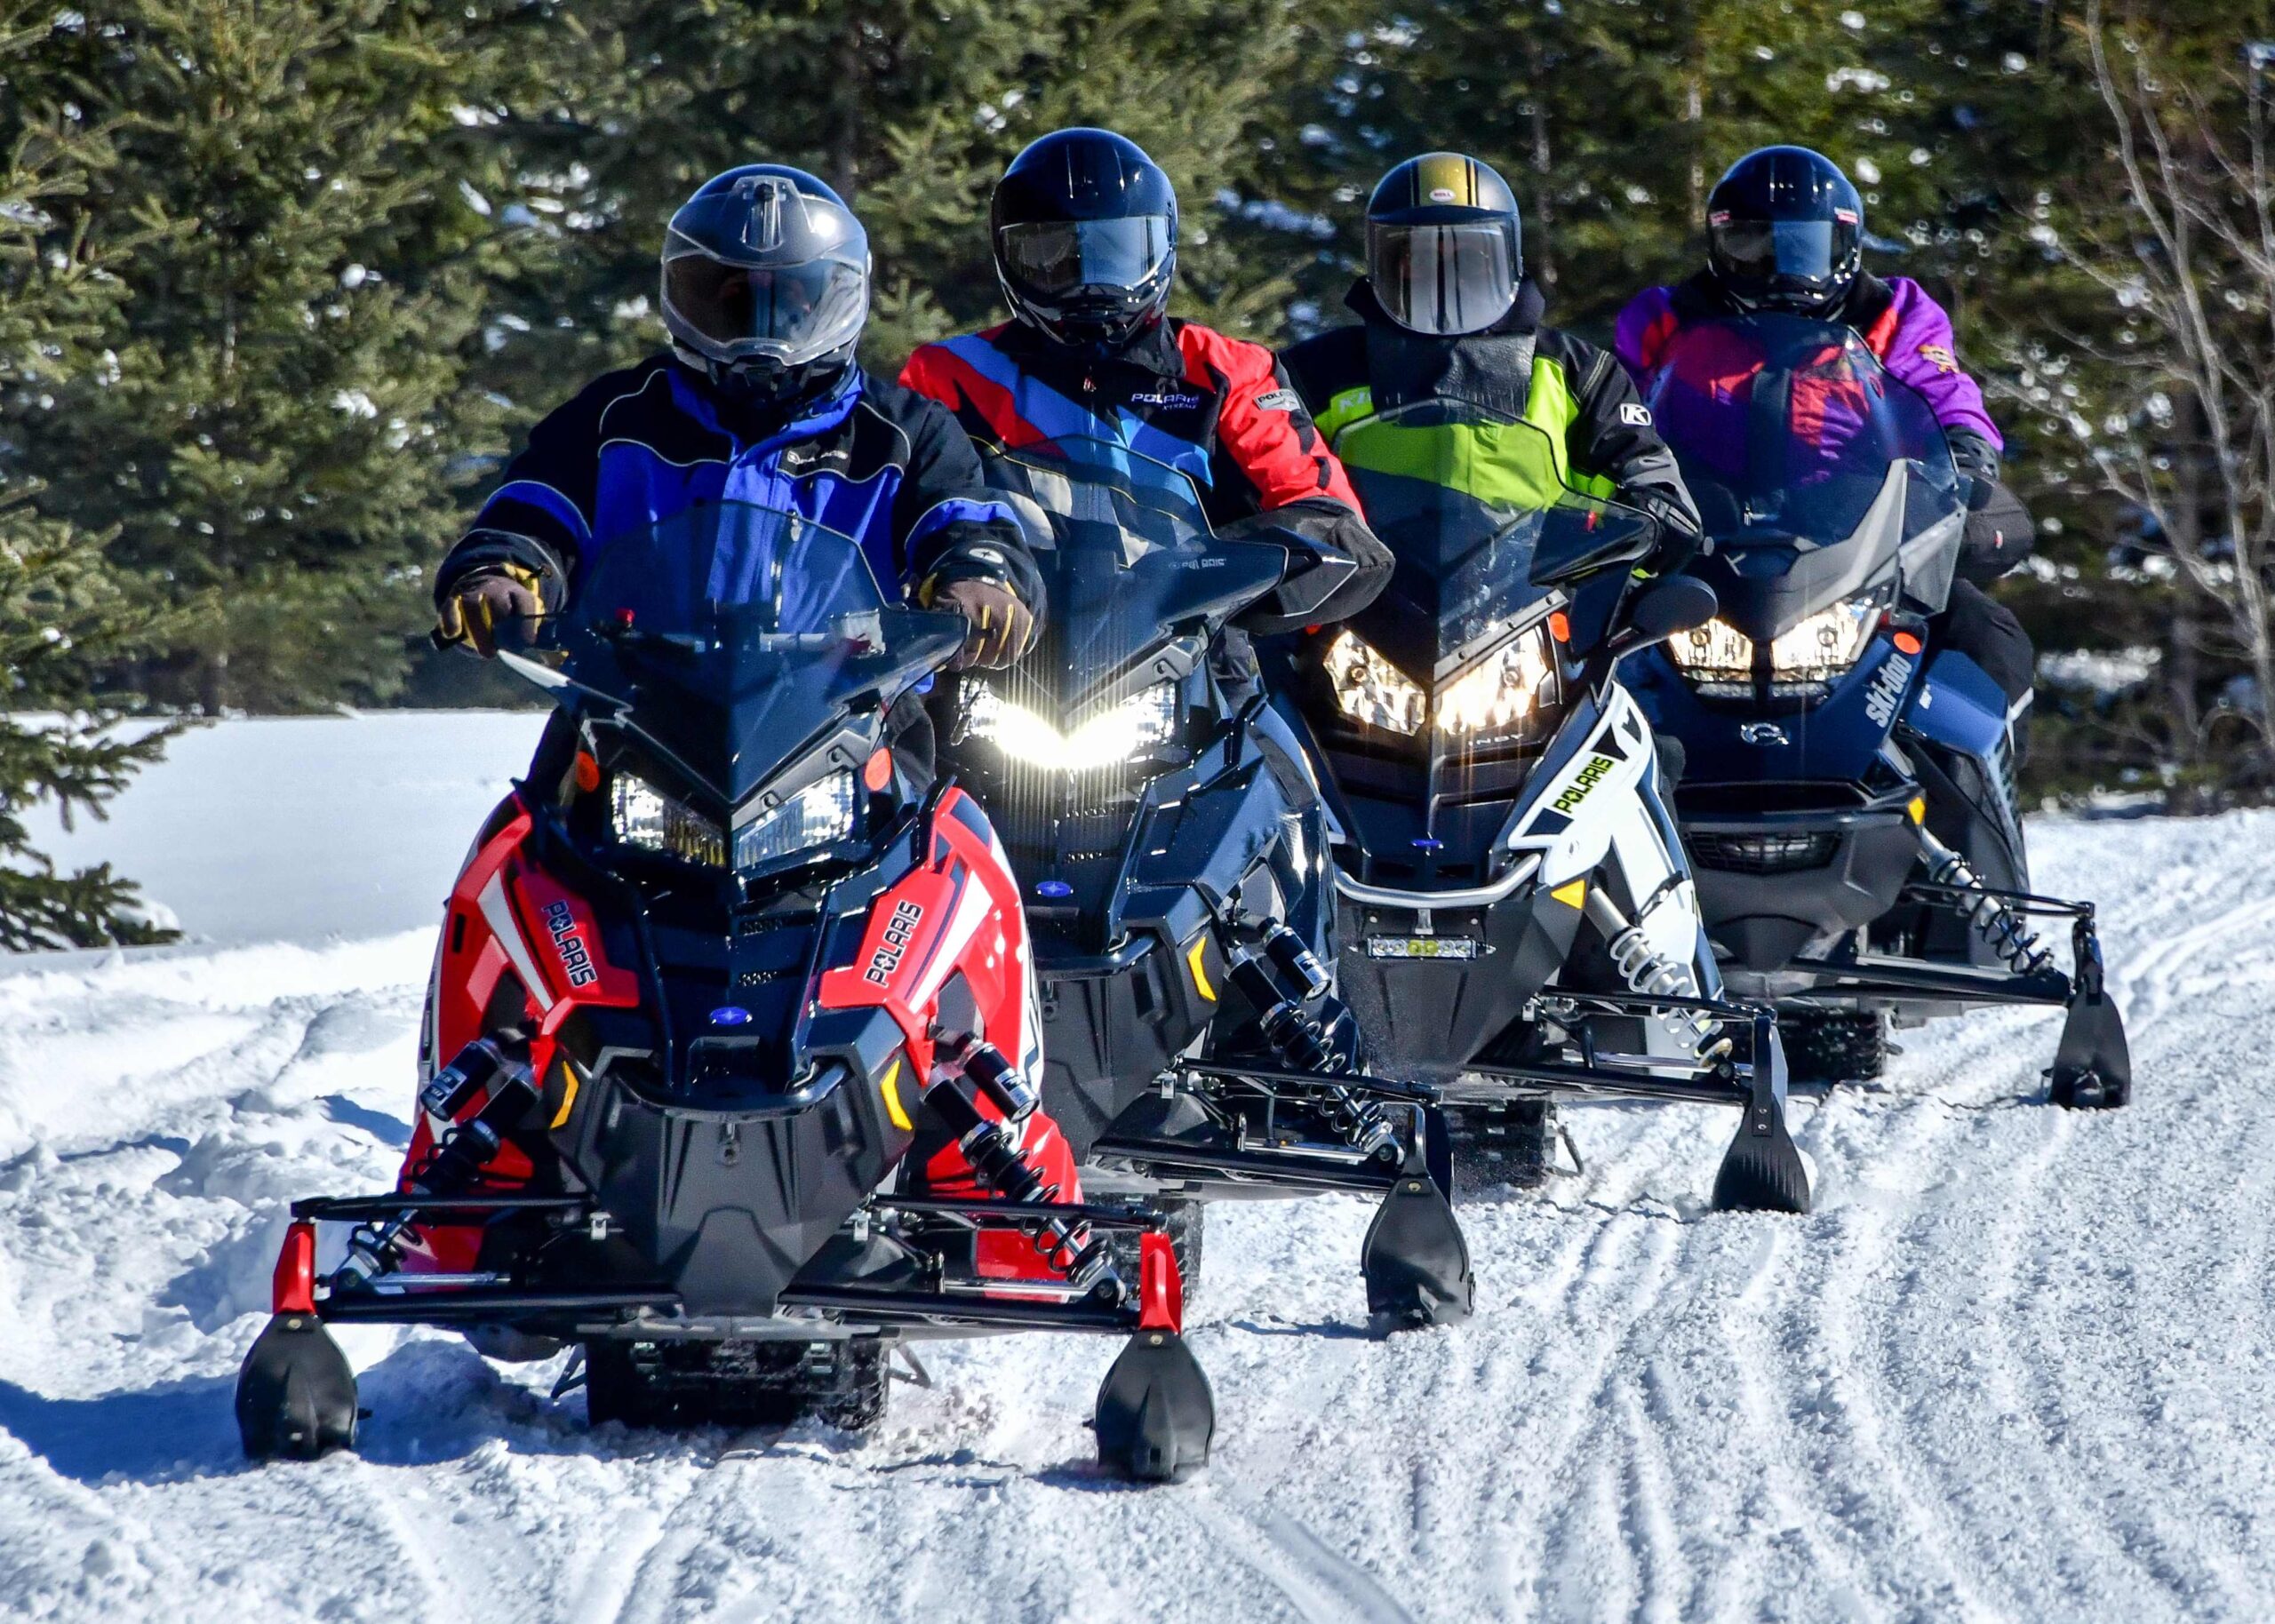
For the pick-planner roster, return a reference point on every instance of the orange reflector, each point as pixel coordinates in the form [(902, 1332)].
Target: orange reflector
[(1559, 627), (877, 771), (588, 772), (1907, 643)]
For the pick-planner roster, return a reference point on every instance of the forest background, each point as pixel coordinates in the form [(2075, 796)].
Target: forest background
[(283, 282)]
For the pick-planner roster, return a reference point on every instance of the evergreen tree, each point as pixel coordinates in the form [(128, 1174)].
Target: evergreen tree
[(64, 616), (286, 403)]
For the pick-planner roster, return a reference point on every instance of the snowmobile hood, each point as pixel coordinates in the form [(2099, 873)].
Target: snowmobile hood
[(1819, 477)]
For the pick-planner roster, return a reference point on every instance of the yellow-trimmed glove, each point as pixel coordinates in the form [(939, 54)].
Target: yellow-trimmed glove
[(1001, 626), (497, 603)]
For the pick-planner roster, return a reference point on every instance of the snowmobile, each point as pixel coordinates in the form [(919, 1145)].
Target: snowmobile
[(1515, 921), (1169, 838), (713, 979), (1849, 802)]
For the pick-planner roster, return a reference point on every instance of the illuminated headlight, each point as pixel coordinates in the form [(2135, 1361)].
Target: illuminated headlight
[(643, 816), (1370, 690), (1501, 692), (819, 814), (1719, 658), (1107, 739)]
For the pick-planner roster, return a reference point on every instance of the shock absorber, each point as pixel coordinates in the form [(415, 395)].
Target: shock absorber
[(1650, 974), (2002, 930), (1302, 1043), (1069, 1247), (482, 1069)]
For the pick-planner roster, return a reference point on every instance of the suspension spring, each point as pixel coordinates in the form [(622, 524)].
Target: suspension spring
[(1650, 974), (2003, 930), (1301, 1041), (1069, 1247)]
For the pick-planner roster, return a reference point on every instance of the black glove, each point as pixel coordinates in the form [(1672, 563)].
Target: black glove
[(493, 605), (1680, 539), (1001, 628), (1335, 565), (2000, 534)]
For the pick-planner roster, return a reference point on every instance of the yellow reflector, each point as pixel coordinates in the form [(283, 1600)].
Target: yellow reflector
[(893, 1097), (1919, 810), (1572, 893), (568, 1095), (1200, 976)]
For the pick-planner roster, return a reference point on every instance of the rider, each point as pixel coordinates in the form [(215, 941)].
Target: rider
[(1445, 312), (1785, 234), (765, 288), (1083, 227)]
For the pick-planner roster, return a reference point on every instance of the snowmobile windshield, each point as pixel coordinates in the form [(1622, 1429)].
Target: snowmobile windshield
[(1129, 563), (733, 636), (1484, 530), (1806, 458)]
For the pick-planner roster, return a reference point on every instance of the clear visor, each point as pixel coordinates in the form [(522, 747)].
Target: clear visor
[(1791, 250), (1444, 279), (1054, 258), (796, 312)]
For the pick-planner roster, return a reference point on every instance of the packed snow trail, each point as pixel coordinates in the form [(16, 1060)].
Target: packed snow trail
[(2016, 1365)]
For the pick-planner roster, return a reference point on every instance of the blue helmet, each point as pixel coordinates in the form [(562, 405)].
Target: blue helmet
[(766, 281), (1083, 226)]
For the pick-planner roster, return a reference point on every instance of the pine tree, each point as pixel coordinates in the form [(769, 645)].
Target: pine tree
[(64, 614), (285, 407)]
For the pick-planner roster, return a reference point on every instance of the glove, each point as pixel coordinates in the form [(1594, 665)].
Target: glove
[(1680, 537), (1001, 629), (2000, 534), (494, 604)]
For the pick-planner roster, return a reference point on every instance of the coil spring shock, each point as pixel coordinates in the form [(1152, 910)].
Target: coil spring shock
[(1649, 973), (1300, 1039), (2002, 930), (1070, 1247)]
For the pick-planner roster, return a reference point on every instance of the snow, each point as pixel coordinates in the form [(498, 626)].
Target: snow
[(2018, 1364)]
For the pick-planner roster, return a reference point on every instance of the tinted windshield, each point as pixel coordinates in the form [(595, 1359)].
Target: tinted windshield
[(1126, 555), (1474, 508), (735, 633), (1787, 429)]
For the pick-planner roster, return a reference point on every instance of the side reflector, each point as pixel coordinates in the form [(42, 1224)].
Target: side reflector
[(888, 1087), (1907, 643), (1572, 893), (1559, 627), (876, 772), (588, 772), (1193, 961), (1918, 810)]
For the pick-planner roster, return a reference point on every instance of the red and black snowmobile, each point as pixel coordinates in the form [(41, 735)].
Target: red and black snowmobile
[(729, 1066)]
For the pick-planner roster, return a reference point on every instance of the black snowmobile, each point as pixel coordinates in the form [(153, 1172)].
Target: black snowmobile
[(709, 977), (1169, 838), (1850, 798), (1516, 920)]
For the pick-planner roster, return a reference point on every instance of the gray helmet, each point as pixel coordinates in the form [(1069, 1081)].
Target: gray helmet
[(766, 281), (1445, 248)]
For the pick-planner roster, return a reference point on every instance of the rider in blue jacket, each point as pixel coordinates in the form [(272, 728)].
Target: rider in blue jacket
[(765, 288)]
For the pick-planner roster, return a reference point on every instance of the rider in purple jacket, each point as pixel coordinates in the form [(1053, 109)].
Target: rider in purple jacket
[(1786, 232)]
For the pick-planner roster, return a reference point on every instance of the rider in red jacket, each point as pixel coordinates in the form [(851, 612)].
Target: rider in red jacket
[(1084, 227)]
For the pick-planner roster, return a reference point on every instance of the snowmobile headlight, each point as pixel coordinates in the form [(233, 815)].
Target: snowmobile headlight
[(1717, 656), (643, 816), (1370, 690), (1811, 655), (1108, 738), (1500, 693), (819, 814)]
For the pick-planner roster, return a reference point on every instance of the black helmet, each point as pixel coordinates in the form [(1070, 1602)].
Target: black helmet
[(766, 281), (1786, 231), (1083, 227), (1445, 247)]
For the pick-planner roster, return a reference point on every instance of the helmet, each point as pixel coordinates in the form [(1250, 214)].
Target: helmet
[(1445, 247), (1083, 226), (1786, 231), (766, 282)]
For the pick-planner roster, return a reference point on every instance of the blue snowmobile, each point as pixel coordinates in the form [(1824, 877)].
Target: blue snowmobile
[(1849, 800)]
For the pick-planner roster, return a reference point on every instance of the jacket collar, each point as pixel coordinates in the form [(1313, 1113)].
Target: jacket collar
[(1491, 369), (1153, 351)]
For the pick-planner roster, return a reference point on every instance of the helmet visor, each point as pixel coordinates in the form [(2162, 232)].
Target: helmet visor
[(792, 313), (1444, 279), (1051, 258), (1803, 253)]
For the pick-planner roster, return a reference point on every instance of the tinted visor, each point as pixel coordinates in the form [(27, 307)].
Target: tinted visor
[(796, 312), (1811, 253), (1054, 258), (1444, 279)]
